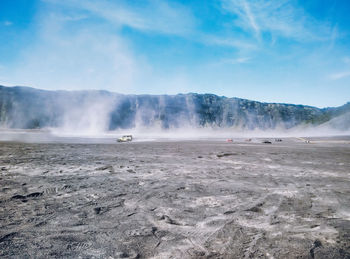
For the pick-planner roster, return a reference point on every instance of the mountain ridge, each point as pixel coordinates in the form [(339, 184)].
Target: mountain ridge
[(28, 108), (189, 93)]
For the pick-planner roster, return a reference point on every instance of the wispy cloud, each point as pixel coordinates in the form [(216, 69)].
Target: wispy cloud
[(65, 58), (7, 23), (238, 43), (251, 18), (243, 10), (333, 37), (233, 61), (281, 18), (339, 75), (80, 44), (154, 16), (150, 16), (346, 60)]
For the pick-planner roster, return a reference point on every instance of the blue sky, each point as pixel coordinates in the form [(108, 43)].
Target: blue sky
[(272, 51)]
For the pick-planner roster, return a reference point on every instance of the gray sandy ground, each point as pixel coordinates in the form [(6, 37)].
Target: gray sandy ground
[(175, 200)]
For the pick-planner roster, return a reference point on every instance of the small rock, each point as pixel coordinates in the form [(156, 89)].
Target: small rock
[(106, 167), (97, 210), (34, 195), (225, 154), (18, 197), (317, 243)]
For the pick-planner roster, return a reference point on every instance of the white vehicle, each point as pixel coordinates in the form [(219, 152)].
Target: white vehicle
[(125, 138)]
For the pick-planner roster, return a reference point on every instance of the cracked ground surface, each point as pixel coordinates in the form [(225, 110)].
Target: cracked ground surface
[(185, 199)]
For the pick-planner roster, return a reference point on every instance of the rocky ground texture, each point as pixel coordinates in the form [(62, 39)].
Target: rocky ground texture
[(185, 199)]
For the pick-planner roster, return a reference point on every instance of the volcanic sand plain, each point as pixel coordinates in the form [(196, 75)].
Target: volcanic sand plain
[(176, 199)]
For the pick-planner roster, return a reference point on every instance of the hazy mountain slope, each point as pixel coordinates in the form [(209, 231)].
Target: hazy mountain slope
[(341, 122), (24, 107)]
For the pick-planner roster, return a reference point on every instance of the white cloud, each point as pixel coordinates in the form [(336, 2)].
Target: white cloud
[(250, 17), (339, 75), (151, 16), (281, 18)]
